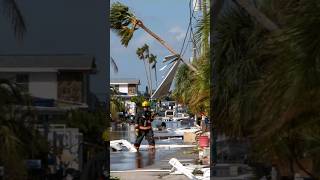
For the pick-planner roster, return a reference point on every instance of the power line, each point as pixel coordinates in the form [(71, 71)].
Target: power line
[(191, 36), (189, 27)]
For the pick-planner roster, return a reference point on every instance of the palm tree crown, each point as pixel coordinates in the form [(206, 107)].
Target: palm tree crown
[(123, 22)]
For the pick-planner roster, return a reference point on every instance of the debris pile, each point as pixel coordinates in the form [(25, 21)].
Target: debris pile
[(193, 172)]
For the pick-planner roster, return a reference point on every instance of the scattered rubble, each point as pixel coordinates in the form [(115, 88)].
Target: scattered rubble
[(190, 171)]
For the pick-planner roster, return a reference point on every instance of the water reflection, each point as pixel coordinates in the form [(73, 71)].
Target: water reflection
[(123, 131), (151, 157), (146, 160), (139, 163)]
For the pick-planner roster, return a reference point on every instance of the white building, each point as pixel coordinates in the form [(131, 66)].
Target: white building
[(56, 83), (57, 77), (127, 88)]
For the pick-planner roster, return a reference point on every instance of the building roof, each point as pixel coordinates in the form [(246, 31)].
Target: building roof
[(45, 63), (125, 81)]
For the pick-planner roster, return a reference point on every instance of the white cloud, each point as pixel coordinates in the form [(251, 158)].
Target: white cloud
[(144, 39), (178, 32)]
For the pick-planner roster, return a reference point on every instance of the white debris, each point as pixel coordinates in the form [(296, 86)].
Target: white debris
[(117, 144), (178, 166), (181, 131)]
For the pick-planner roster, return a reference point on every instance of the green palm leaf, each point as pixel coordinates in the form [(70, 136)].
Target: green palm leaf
[(13, 12), (123, 22)]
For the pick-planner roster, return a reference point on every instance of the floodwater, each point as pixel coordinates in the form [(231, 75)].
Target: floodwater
[(124, 160)]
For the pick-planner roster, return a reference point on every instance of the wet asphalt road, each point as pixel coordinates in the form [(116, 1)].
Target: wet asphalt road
[(124, 160)]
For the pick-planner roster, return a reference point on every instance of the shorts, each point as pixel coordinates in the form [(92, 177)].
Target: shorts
[(145, 133)]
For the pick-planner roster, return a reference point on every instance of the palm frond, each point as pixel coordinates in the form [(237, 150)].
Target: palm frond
[(123, 22), (154, 65), (143, 52), (13, 12), (152, 59), (114, 65), (139, 53), (201, 36)]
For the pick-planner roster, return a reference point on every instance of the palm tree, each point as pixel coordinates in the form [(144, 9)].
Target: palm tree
[(194, 90), (125, 23), (151, 85), (12, 11), (116, 103), (18, 137), (203, 30), (153, 60), (258, 15), (143, 54)]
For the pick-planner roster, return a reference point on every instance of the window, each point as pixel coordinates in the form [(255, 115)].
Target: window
[(71, 86), (169, 113), (22, 81), (132, 89)]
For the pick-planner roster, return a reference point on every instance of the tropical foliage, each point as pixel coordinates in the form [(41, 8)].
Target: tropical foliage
[(116, 104), (18, 137), (194, 90), (91, 124), (144, 54), (191, 89), (94, 127), (138, 100), (267, 83)]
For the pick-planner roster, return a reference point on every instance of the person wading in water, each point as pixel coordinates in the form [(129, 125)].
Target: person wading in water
[(143, 126)]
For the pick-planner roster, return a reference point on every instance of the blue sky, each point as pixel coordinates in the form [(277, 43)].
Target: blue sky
[(167, 18)]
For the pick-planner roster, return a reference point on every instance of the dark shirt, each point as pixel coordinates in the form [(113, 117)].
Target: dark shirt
[(143, 118)]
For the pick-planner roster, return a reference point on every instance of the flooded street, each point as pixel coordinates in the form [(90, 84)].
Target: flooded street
[(124, 160)]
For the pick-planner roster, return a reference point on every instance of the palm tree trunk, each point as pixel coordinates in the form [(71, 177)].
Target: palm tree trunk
[(151, 87), (155, 74), (145, 68), (258, 15), (165, 45)]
